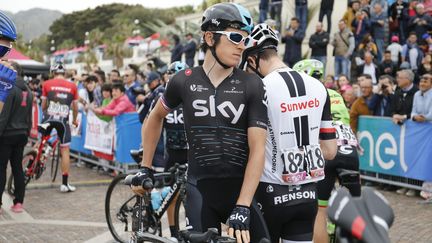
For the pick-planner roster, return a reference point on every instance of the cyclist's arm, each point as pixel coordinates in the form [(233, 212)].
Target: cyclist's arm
[(256, 140), (44, 104), (74, 110), (151, 131), (327, 134)]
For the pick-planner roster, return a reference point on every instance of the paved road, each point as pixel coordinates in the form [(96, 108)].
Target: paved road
[(51, 216)]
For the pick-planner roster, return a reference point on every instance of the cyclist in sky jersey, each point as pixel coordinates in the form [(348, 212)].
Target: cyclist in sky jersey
[(346, 159), (225, 120), (300, 138), (58, 97)]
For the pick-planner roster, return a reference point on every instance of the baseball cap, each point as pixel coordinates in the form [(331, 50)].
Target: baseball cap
[(425, 36), (152, 76), (395, 38)]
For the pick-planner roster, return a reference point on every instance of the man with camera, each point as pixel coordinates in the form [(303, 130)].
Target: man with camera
[(380, 102)]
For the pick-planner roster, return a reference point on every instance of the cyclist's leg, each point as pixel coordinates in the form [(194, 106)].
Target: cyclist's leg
[(351, 180), (324, 189), (219, 196), (64, 135), (301, 227), (5, 152), (16, 164), (193, 206), (258, 226)]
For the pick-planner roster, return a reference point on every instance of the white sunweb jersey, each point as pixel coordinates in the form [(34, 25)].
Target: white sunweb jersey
[(299, 116)]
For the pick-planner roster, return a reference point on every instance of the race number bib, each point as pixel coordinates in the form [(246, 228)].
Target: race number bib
[(345, 136), (302, 164)]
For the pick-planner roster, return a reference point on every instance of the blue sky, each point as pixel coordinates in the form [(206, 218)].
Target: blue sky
[(68, 6)]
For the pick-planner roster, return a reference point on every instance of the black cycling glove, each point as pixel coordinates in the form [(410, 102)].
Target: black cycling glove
[(239, 218), (142, 176)]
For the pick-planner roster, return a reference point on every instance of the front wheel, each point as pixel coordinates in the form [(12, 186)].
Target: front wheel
[(28, 165), (119, 204), (55, 159)]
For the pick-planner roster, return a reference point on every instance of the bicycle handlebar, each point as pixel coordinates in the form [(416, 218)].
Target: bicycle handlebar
[(147, 184)]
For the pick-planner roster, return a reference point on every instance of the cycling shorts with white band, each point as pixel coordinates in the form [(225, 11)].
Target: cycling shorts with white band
[(289, 211)]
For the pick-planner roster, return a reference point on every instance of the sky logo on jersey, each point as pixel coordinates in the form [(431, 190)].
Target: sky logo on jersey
[(175, 117), (300, 105), (204, 110)]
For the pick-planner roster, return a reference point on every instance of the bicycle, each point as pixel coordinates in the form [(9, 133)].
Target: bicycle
[(120, 212), (364, 219), (34, 162)]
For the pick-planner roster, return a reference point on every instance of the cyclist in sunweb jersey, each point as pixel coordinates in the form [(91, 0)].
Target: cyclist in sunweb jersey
[(225, 120), (300, 138), (58, 97), (346, 157)]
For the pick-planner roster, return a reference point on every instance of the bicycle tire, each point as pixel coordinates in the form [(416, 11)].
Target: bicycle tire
[(27, 161), (177, 211), (113, 207), (55, 159)]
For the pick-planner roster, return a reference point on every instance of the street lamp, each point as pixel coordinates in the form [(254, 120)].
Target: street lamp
[(86, 40), (136, 31), (52, 49)]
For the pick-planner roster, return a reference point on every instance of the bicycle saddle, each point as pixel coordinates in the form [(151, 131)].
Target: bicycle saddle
[(137, 155), (367, 218), (43, 127)]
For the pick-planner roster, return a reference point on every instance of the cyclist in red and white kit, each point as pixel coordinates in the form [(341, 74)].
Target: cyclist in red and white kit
[(58, 97), (300, 137)]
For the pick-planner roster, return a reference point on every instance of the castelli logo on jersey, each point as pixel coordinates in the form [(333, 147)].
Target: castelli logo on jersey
[(299, 105), (188, 72)]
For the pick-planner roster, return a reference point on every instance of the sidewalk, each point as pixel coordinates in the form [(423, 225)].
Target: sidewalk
[(51, 216)]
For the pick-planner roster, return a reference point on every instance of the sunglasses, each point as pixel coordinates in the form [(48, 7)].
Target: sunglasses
[(234, 37), (4, 50)]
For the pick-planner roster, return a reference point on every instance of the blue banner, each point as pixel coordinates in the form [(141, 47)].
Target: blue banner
[(396, 150), (128, 136), (77, 142)]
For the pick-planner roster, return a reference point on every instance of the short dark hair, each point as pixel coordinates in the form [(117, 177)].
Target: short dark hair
[(101, 74), (189, 34), (387, 52), (412, 33), (134, 67), (119, 86), (91, 78), (106, 87), (176, 38), (295, 19), (17, 68), (116, 71)]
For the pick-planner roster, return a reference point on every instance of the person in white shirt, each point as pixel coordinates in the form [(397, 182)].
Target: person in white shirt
[(396, 49)]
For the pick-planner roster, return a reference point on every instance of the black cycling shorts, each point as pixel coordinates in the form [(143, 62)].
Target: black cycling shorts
[(192, 207), (345, 159), (174, 156), (289, 211), (219, 197), (63, 131)]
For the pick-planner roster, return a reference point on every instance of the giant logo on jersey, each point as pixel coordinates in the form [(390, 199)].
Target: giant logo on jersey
[(299, 105), (209, 108)]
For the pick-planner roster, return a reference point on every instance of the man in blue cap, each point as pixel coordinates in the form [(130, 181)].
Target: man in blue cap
[(7, 73)]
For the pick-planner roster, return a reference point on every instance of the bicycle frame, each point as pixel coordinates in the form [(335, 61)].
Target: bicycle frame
[(38, 160)]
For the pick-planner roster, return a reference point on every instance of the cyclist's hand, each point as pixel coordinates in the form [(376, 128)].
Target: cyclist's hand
[(238, 223), (140, 178), (75, 123)]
